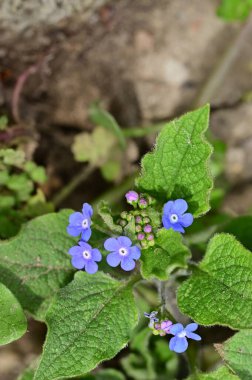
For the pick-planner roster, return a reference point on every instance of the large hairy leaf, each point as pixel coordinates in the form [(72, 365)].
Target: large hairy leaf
[(237, 353), (178, 166), (35, 264), (168, 254), (90, 321), (220, 289), (13, 320)]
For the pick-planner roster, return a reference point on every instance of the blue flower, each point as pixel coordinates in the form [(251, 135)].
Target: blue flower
[(79, 223), (85, 257), (174, 215), (179, 342), (122, 252)]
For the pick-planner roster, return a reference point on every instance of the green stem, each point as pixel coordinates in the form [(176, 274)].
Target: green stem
[(143, 131), (101, 229), (72, 185)]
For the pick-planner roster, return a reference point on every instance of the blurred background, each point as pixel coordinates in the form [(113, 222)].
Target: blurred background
[(84, 88)]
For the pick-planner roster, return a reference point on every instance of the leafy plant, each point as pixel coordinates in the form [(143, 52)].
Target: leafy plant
[(131, 263), (21, 197), (231, 10)]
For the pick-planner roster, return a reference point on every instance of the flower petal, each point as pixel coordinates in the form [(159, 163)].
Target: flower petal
[(85, 235), (166, 222), (178, 345), (135, 253), (177, 227), (78, 262), (74, 230), (91, 267), (186, 220), (87, 210), (127, 264), (168, 207), (113, 259), (85, 246), (124, 241), (191, 327), (177, 328), (112, 245), (75, 218), (180, 206), (193, 336), (96, 255), (75, 251)]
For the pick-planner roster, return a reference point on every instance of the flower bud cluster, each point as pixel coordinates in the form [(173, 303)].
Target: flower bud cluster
[(143, 228)]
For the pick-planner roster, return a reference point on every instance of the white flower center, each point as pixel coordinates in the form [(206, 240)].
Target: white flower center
[(174, 218), (123, 251), (85, 223), (86, 254), (182, 334)]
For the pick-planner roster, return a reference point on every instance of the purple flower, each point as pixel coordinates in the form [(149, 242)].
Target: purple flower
[(85, 257), (79, 223), (166, 326), (122, 252), (143, 203), (131, 196), (148, 228), (174, 215), (179, 342)]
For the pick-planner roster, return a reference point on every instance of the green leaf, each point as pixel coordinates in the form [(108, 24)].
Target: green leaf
[(7, 201), (94, 148), (232, 10), (12, 157), (105, 213), (111, 170), (168, 254), (221, 373), (35, 264), (220, 289), (241, 228), (13, 320), (178, 166), (36, 173), (104, 374), (101, 117), (237, 353), (21, 185), (90, 321), (4, 176)]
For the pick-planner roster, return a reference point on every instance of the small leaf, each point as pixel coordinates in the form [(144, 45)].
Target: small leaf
[(178, 166), (36, 173), (94, 148), (101, 117), (111, 170), (21, 185), (168, 254), (237, 353), (220, 289), (12, 157), (13, 320), (232, 10), (221, 373), (90, 321), (35, 264), (7, 201), (105, 214)]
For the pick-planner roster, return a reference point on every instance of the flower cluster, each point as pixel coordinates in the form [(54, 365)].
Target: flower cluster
[(122, 251), (180, 333), (174, 217), (84, 257)]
